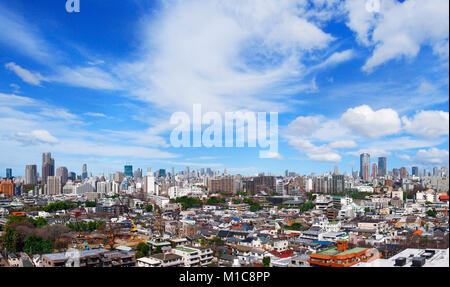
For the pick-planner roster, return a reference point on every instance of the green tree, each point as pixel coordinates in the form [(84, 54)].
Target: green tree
[(149, 208), (431, 213), (36, 245), (266, 261), (143, 249), (12, 241)]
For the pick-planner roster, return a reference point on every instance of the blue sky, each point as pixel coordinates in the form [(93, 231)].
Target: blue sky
[(99, 86)]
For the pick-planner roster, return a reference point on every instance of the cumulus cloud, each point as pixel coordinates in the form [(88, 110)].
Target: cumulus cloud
[(366, 122), (321, 153), (431, 156), (222, 51), (35, 136), (400, 29), (430, 124)]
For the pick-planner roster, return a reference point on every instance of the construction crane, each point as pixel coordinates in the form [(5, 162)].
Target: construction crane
[(134, 229)]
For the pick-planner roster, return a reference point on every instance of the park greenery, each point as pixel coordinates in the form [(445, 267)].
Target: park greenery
[(188, 202)]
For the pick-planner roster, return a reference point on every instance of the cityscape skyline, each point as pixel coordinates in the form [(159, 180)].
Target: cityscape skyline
[(106, 97), (367, 169)]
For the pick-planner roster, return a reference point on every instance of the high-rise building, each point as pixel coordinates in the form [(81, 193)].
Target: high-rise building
[(338, 183), (54, 185), (63, 173), (225, 185), (435, 171), (396, 172), (403, 172), (364, 166), (31, 174), (8, 173), (162, 173), (336, 169), (7, 187), (415, 171), (382, 167), (137, 173), (84, 173), (128, 171), (374, 170), (48, 166)]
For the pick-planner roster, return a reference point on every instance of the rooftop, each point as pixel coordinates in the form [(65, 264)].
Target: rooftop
[(334, 252)]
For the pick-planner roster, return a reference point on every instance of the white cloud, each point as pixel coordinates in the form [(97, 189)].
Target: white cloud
[(400, 29), (343, 144), (336, 58), (316, 153), (431, 156), (430, 124), (96, 115), (372, 124), (36, 136), (25, 75), (221, 51)]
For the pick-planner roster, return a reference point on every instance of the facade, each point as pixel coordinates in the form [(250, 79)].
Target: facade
[(225, 185), (364, 165), (128, 171), (31, 174), (382, 167), (48, 166), (9, 173), (90, 258), (7, 187), (54, 185), (338, 183), (63, 173)]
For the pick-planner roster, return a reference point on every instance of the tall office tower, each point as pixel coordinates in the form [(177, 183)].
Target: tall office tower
[(188, 173), (48, 166), (396, 172), (137, 173), (435, 171), (364, 166), (8, 173), (31, 174), (336, 169), (84, 173), (63, 174), (162, 173), (128, 171), (118, 177), (403, 172), (72, 175), (54, 185), (415, 171), (173, 172), (374, 170), (382, 168)]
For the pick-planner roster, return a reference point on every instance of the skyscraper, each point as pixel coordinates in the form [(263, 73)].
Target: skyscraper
[(374, 170), (403, 172), (84, 173), (415, 171), (364, 166), (8, 173), (48, 166), (382, 167), (31, 174), (128, 171), (54, 185), (63, 173)]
